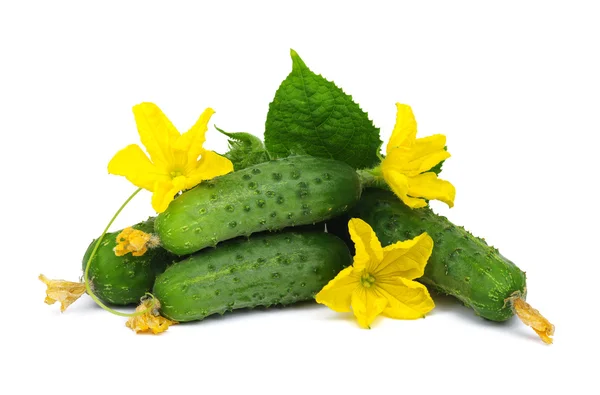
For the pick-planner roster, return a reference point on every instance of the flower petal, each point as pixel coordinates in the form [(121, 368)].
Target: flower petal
[(192, 140), (134, 241), (367, 304), (208, 167), (149, 322), (405, 130), (337, 293), (429, 186), (165, 191), (407, 300), (421, 164), (65, 292), (399, 184), (426, 146), (416, 160), (156, 132), (368, 248), (405, 259), (132, 163), (531, 317)]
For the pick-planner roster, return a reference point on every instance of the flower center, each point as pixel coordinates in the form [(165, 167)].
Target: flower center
[(175, 174), (367, 280)]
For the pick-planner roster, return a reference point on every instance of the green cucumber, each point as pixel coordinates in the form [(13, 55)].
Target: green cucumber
[(263, 270), (461, 264), (123, 280), (269, 196)]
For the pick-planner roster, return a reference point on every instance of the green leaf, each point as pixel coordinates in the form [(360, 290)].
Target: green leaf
[(310, 114), (244, 150)]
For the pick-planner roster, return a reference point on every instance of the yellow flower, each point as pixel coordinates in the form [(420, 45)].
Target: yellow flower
[(151, 321), (380, 279), (409, 159), (135, 241), (177, 161), (64, 292), (532, 317)]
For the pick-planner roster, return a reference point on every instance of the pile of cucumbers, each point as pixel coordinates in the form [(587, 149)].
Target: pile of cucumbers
[(275, 233)]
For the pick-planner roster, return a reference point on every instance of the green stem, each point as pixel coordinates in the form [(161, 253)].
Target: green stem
[(87, 267), (372, 178)]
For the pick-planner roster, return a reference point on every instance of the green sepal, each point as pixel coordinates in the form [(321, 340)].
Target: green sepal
[(245, 149)]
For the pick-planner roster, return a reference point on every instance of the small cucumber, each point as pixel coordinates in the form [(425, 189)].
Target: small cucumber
[(268, 196), (264, 270), (123, 280), (461, 264)]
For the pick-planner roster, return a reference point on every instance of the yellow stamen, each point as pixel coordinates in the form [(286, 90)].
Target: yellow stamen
[(149, 322), (534, 319), (65, 292), (134, 241)]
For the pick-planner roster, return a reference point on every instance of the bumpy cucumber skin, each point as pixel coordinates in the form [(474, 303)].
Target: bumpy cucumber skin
[(123, 280), (264, 270), (461, 264), (268, 196)]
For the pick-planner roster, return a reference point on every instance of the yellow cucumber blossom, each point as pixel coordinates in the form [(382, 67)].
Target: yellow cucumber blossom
[(380, 279), (64, 292), (150, 321), (135, 241), (177, 161), (409, 159)]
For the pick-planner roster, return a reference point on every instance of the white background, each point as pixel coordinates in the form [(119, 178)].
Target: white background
[(514, 86)]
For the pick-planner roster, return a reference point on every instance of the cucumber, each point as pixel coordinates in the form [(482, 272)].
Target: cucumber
[(268, 196), (123, 280), (264, 270), (460, 265)]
